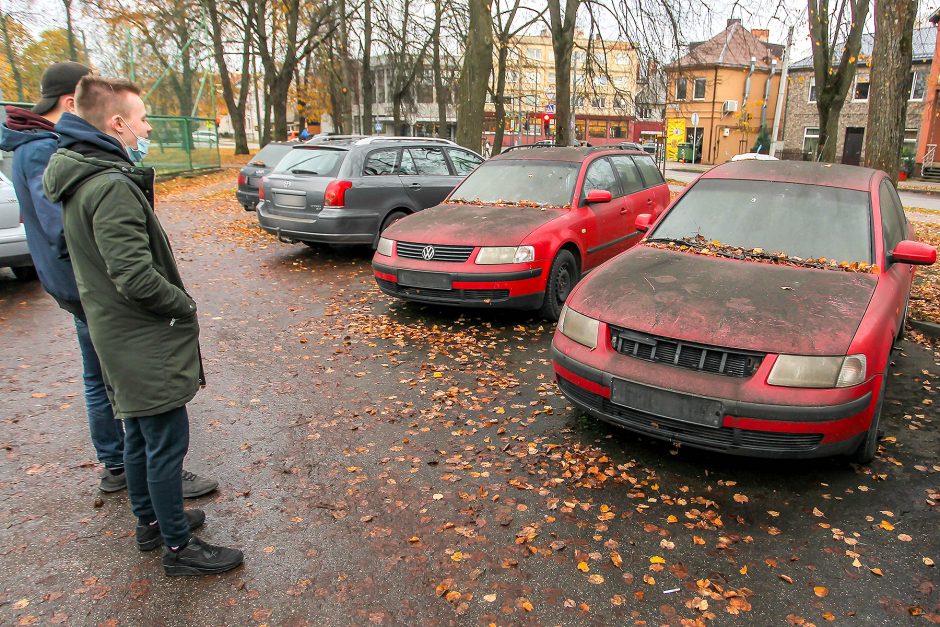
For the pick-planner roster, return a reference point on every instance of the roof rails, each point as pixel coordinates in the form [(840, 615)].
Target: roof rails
[(332, 138), (371, 139)]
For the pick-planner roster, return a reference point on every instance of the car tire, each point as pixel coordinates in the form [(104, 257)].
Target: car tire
[(389, 220), (562, 278), (867, 449), (25, 273)]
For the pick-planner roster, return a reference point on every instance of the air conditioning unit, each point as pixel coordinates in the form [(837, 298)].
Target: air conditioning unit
[(730, 106)]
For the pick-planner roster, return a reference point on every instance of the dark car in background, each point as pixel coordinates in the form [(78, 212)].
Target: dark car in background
[(348, 191), (249, 177)]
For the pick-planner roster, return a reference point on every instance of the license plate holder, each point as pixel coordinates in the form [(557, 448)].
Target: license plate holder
[(427, 280), (667, 404)]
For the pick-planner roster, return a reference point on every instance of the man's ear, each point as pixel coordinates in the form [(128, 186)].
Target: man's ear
[(68, 103)]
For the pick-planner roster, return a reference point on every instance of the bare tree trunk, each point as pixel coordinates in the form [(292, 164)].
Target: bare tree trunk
[(475, 76), (236, 107), (499, 99), (11, 58), (562, 29), (832, 85), (890, 85), (440, 90), (70, 33), (368, 79), (341, 63)]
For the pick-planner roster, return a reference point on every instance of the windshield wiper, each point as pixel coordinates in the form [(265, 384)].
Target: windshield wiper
[(302, 171), (673, 240)]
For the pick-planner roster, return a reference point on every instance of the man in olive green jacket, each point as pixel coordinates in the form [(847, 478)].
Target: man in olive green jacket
[(142, 322)]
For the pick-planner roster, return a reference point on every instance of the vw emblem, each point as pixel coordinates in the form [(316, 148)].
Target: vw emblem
[(428, 253)]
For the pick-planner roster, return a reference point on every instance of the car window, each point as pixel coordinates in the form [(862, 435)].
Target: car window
[(893, 221), (381, 162), (464, 162), (808, 221), (600, 175), (424, 162), (270, 155), (311, 161), (629, 174), (651, 174), (519, 181)]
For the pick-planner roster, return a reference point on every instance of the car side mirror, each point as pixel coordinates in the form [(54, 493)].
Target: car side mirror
[(644, 221), (598, 195), (914, 253)]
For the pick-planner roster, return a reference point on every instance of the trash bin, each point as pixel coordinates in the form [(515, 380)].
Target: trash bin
[(684, 152)]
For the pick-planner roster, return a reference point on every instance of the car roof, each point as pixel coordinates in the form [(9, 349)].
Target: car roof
[(573, 154), (804, 172)]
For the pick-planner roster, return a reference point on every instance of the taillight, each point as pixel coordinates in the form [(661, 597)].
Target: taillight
[(242, 180), (335, 194), (264, 180)]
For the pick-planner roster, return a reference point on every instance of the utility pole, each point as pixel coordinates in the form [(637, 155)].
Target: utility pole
[(254, 78), (781, 90)]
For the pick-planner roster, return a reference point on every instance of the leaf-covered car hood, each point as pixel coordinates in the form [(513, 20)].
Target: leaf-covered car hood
[(476, 225)]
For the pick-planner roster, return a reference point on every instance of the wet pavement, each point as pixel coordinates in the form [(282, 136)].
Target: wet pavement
[(386, 463)]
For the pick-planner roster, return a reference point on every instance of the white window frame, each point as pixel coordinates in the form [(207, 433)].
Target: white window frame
[(535, 54), (531, 76), (704, 90), (599, 102), (855, 88), (811, 92), (808, 135), (914, 74)]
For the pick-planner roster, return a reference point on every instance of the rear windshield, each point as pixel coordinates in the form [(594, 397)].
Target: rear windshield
[(312, 161), (521, 181), (807, 221), (270, 155)]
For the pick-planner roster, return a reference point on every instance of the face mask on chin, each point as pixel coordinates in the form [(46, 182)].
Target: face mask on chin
[(143, 146)]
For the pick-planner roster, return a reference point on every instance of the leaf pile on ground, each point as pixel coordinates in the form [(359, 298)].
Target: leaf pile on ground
[(925, 293), (700, 245)]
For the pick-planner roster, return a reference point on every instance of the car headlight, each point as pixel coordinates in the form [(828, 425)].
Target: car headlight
[(505, 254), (798, 371), (578, 327), (385, 247)]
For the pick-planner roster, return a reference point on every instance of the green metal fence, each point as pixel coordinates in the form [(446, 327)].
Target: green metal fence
[(178, 144)]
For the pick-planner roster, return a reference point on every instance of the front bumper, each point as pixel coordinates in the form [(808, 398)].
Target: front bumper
[(744, 428), (328, 226), (504, 290), (14, 251)]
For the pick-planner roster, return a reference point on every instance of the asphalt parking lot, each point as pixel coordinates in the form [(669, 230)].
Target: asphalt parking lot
[(388, 463)]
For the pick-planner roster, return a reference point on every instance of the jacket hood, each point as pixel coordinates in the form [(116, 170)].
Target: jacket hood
[(472, 225), (78, 135), (728, 303), (68, 169), (22, 127)]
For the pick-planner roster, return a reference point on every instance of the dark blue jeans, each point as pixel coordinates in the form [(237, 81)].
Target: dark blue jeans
[(107, 433), (154, 448)]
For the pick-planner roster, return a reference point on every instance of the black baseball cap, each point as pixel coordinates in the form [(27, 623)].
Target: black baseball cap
[(59, 79)]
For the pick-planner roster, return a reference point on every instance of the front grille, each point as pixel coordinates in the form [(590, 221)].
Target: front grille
[(722, 438), (456, 296), (442, 252), (728, 362)]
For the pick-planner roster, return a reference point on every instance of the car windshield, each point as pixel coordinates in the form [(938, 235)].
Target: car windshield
[(801, 221), (270, 155), (519, 182), (312, 161)]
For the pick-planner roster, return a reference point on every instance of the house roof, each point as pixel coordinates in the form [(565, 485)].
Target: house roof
[(734, 46), (925, 39)]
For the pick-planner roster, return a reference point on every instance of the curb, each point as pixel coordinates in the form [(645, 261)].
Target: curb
[(927, 328)]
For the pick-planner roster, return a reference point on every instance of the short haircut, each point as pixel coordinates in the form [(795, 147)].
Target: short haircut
[(98, 98)]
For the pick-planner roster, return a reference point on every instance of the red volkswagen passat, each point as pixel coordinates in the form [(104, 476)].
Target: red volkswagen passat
[(756, 317), (521, 229)]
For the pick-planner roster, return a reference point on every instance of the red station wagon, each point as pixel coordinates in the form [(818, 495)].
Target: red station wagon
[(756, 317), (521, 229)]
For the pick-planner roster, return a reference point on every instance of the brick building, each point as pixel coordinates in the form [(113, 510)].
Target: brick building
[(801, 123)]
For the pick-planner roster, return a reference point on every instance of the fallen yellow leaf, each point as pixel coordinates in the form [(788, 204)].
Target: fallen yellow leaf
[(583, 567), (657, 560), (886, 525), (821, 591), (877, 571)]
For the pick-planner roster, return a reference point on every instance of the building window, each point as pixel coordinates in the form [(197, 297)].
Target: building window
[(812, 89), (619, 102), (810, 140), (598, 103), (917, 85), (623, 59), (601, 80), (512, 77), (532, 77), (682, 88), (579, 56), (597, 128), (551, 78), (698, 89), (534, 53), (579, 101), (910, 142), (861, 88)]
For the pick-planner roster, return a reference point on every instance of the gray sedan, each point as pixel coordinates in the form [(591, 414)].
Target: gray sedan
[(13, 250)]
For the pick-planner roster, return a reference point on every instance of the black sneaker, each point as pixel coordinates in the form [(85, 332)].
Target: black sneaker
[(112, 481), (200, 558), (149, 538)]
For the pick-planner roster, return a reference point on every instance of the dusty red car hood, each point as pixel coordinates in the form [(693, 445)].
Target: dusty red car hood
[(723, 302), (471, 225)]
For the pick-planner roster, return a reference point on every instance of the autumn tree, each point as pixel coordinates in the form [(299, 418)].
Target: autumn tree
[(836, 39), (230, 31), (475, 74), (890, 84)]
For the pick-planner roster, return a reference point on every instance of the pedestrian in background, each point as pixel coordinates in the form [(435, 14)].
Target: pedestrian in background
[(30, 136), (141, 319)]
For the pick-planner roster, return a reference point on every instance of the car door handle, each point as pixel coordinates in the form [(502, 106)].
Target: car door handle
[(623, 211), (649, 201), (415, 185)]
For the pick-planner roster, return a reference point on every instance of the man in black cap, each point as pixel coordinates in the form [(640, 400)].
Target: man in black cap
[(29, 135)]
